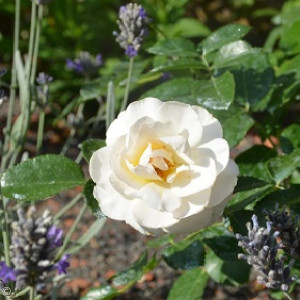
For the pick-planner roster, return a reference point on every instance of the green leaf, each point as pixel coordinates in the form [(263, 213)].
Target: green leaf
[(189, 28), (174, 47), (217, 93), (243, 199), (248, 183), (282, 167), (91, 202), (179, 64), (136, 271), (88, 147), (184, 255), (289, 197), (179, 89), (224, 272), (226, 247), (223, 36), (87, 236), (239, 220), (41, 177), (161, 241), (105, 292), (235, 122), (253, 162), (290, 39), (231, 54), (190, 285), (290, 138), (94, 88), (253, 77)]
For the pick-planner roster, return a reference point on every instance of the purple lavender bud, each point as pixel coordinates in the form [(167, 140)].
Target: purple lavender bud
[(62, 264), (55, 236), (99, 59), (130, 51), (43, 78), (142, 13), (7, 274), (122, 9)]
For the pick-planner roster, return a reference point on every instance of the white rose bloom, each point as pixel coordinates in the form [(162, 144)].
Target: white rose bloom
[(166, 168)]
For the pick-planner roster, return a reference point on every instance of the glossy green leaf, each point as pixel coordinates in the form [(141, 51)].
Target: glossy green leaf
[(289, 197), (248, 183), (217, 93), (184, 255), (105, 292), (239, 220), (92, 203), (174, 47), (282, 167), (136, 271), (179, 89), (226, 247), (253, 162), (88, 147), (223, 36), (180, 64), (235, 122), (41, 177), (225, 272), (243, 199), (253, 77), (190, 285), (161, 241), (232, 53)]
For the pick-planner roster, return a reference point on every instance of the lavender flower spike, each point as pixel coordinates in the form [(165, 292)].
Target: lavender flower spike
[(132, 24), (85, 64), (7, 274), (262, 249)]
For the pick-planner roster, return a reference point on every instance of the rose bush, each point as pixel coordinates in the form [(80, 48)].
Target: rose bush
[(166, 168)]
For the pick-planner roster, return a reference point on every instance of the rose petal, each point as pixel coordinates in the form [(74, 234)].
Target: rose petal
[(151, 218), (184, 118), (159, 197), (211, 126), (217, 149), (225, 183), (147, 107), (197, 179), (98, 163), (206, 217)]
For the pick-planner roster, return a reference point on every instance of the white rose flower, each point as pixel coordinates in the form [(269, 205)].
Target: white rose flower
[(166, 168)]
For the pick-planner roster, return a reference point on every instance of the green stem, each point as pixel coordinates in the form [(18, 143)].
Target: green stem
[(40, 133), (13, 86), (36, 44), (288, 296), (71, 231), (31, 38), (31, 294), (67, 207), (125, 100), (3, 220)]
